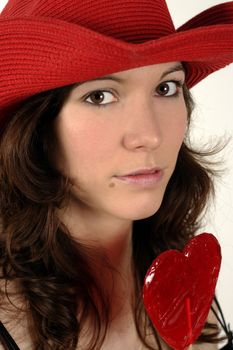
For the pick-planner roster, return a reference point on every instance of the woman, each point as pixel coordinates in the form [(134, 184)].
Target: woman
[(97, 178)]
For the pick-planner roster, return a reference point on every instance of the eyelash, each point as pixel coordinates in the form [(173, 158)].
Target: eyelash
[(179, 86)]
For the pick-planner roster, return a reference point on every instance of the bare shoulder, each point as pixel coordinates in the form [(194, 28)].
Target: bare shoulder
[(13, 316), (205, 347), (208, 346)]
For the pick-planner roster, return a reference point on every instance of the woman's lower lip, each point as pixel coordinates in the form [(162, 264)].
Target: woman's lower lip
[(143, 180)]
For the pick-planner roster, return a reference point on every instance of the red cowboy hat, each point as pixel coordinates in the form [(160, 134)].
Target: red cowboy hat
[(45, 44)]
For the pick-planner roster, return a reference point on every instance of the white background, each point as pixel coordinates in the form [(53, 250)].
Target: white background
[(213, 119)]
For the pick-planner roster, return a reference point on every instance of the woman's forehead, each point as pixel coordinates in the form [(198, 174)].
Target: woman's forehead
[(160, 70)]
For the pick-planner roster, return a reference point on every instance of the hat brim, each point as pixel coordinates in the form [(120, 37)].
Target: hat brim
[(41, 54)]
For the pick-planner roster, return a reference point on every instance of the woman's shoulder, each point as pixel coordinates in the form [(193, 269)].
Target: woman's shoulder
[(212, 320), (205, 347), (13, 316)]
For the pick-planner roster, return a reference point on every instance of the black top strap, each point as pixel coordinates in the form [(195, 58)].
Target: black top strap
[(6, 339), (226, 328)]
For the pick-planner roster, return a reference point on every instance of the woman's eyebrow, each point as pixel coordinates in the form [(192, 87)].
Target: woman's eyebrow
[(176, 68), (106, 77)]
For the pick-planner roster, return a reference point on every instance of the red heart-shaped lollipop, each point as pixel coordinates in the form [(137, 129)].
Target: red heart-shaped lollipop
[(179, 289)]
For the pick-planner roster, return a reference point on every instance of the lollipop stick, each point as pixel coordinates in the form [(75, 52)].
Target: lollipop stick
[(189, 319), (189, 322)]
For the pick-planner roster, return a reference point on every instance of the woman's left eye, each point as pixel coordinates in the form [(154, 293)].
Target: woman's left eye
[(169, 88), (100, 98)]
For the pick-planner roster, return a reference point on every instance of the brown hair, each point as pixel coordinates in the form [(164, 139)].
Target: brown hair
[(36, 249)]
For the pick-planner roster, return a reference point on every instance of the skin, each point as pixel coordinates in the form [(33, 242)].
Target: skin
[(138, 121)]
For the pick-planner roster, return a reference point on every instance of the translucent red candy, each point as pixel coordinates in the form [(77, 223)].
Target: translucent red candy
[(179, 288)]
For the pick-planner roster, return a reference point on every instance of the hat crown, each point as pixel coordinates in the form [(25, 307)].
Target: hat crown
[(133, 21)]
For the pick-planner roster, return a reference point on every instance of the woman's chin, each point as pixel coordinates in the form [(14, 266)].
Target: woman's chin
[(141, 211)]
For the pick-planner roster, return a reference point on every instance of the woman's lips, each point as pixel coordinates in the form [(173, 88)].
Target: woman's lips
[(142, 177)]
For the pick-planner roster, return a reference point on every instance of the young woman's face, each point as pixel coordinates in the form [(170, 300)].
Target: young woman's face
[(110, 129)]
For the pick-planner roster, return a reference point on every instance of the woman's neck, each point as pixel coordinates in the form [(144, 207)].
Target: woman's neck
[(110, 240), (109, 236)]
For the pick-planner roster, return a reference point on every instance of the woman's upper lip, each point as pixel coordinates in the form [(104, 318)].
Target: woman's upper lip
[(142, 172)]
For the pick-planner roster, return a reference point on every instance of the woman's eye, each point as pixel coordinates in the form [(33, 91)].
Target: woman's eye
[(169, 88), (100, 97)]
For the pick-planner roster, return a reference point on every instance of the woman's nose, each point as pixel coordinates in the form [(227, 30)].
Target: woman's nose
[(144, 129)]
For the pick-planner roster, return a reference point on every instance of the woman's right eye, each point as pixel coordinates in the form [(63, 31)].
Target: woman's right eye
[(100, 98)]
